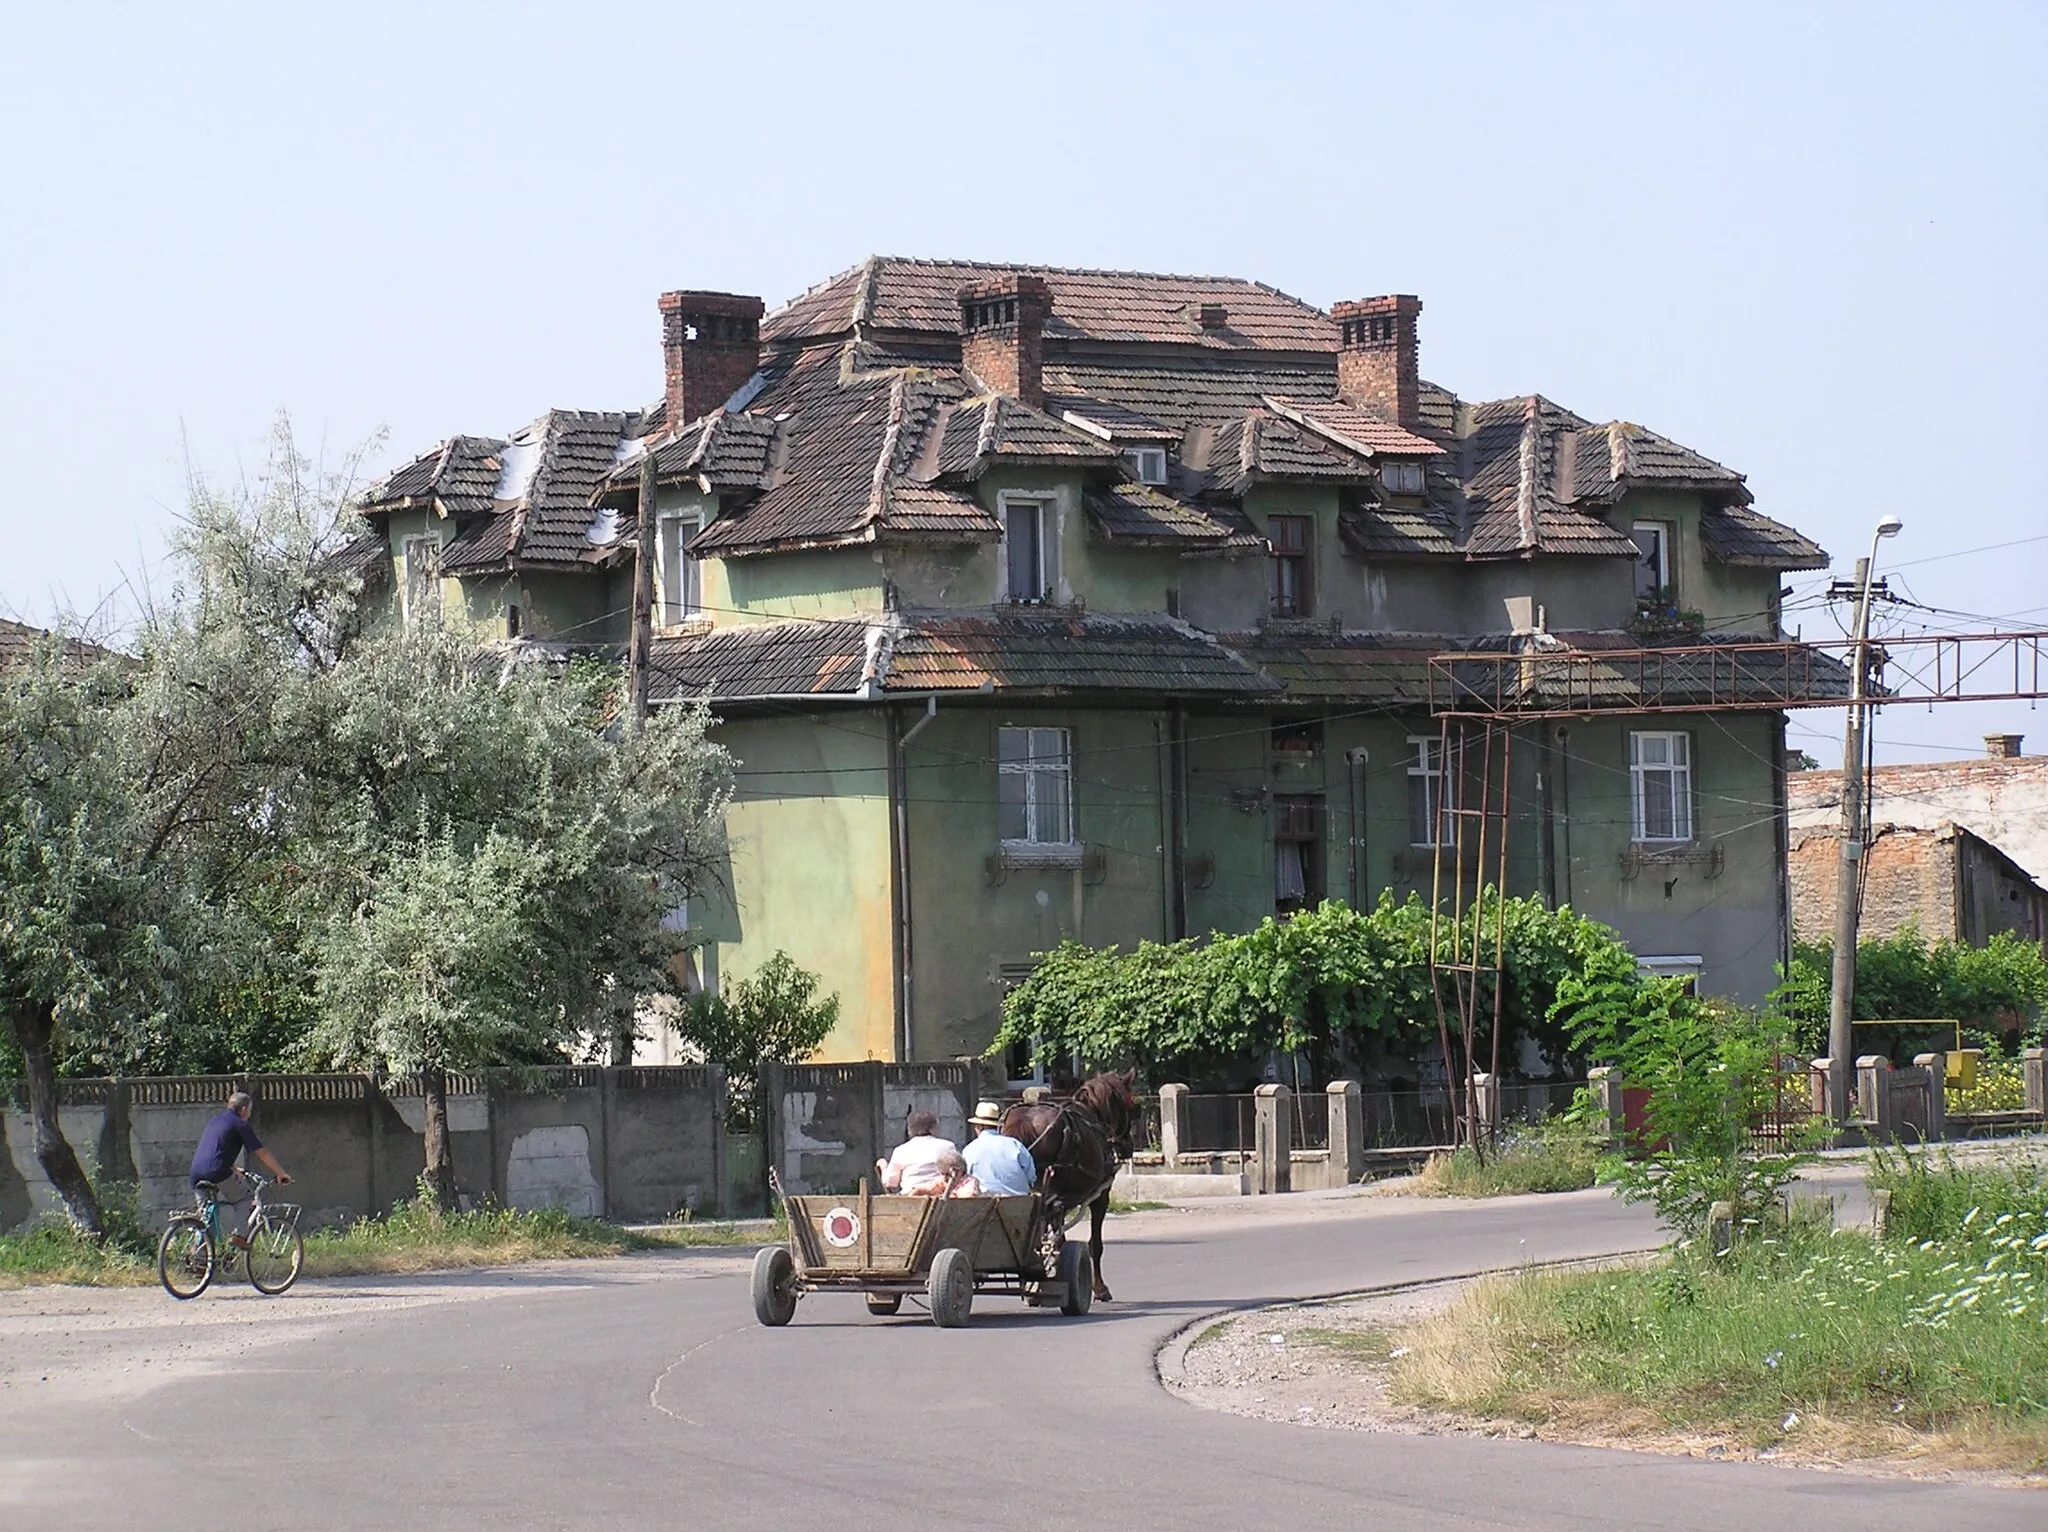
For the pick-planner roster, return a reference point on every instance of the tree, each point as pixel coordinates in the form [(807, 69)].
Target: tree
[(772, 1017), (79, 942), (1331, 981), (1996, 987)]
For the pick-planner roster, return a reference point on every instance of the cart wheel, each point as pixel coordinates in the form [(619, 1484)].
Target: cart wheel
[(774, 1286), (885, 1304), (1077, 1279), (951, 1288)]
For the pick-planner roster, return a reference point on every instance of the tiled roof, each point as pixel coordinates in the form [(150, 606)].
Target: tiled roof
[(932, 509), (459, 477), (891, 293), (365, 557), (1356, 429), (1040, 652), (1391, 668), (1605, 459), (18, 642), (1735, 534), (1197, 392), (1127, 513), (579, 450), (1397, 531), (1512, 506), (1571, 670), (1112, 421), (1261, 444)]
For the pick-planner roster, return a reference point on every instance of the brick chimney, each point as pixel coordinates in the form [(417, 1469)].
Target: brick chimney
[(1002, 334), (2003, 747), (1376, 363), (710, 346)]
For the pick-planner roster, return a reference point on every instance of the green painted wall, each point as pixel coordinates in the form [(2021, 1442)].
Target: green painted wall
[(834, 582), (1731, 598), (809, 866)]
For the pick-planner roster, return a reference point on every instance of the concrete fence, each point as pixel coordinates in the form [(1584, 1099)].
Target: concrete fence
[(631, 1144)]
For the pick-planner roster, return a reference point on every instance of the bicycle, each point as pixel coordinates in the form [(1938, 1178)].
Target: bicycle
[(193, 1251)]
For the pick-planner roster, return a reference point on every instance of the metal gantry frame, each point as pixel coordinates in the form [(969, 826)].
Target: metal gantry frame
[(1479, 699)]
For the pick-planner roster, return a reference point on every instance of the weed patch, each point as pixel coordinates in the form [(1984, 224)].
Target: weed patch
[(1811, 1344), (1516, 1168)]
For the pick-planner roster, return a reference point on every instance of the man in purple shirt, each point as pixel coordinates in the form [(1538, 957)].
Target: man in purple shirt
[(220, 1145)]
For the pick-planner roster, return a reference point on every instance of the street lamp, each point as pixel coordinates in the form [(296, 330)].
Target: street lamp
[(1848, 879)]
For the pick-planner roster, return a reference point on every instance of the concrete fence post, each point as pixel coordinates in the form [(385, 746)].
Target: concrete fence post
[(1874, 1095), (1274, 1120), (2034, 1065), (1817, 1085), (1347, 1129), (1173, 1117), (1937, 1094), (1486, 1102), (1605, 1082), (1721, 1227)]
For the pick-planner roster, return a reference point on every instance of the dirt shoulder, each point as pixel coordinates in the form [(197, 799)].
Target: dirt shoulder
[(1326, 1365)]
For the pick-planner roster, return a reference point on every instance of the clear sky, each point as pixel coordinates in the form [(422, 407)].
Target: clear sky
[(1810, 241)]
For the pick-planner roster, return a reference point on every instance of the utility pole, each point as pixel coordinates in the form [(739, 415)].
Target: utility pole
[(642, 639), (1848, 878)]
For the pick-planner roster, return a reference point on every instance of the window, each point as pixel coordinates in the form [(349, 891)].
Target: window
[(1401, 478), (1660, 786), (422, 577), (1675, 966), (1426, 791), (1298, 741), (1148, 463), (1035, 790), (1653, 559), (679, 583), (1297, 853), (1030, 550), (1289, 537)]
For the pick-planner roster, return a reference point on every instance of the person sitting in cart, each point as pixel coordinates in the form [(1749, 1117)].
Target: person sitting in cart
[(954, 1181), (914, 1167), (1001, 1164)]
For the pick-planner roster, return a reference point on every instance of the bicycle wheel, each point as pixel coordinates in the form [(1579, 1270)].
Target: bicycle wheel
[(275, 1254), (185, 1258)]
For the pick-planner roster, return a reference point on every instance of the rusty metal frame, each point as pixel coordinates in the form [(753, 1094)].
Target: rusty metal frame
[(1737, 677)]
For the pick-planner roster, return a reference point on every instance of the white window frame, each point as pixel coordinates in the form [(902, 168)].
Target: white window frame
[(689, 603), (1148, 463), (1425, 763), (1665, 532), (1043, 775), (1048, 534), (424, 592), (1676, 767)]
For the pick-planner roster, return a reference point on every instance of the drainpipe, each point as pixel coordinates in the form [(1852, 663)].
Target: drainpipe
[(1169, 864), (1546, 839), (899, 870), (1179, 816), (1564, 804), (1781, 816), (1354, 785)]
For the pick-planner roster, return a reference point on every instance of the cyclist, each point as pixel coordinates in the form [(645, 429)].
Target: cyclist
[(213, 1162)]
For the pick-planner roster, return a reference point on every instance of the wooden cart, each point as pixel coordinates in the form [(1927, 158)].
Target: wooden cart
[(938, 1250)]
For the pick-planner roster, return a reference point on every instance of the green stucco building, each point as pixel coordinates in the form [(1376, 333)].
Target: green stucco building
[(1040, 604)]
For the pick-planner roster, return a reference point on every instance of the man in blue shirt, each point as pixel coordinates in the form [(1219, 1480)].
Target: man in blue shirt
[(220, 1145), (1000, 1163)]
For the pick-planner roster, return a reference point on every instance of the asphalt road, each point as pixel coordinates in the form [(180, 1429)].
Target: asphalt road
[(641, 1394)]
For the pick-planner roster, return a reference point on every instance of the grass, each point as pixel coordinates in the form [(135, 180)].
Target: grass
[(1374, 1346), (1121, 1205), (414, 1238), (1529, 1164), (1811, 1343)]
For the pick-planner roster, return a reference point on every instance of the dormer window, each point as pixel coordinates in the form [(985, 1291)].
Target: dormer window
[(1148, 463), (1401, 478)]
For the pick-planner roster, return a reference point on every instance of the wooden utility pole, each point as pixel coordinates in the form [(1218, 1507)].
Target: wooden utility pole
[(642, 640), (1849, 871)]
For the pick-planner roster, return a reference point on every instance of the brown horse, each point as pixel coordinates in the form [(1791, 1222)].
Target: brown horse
[(1077, 1144)]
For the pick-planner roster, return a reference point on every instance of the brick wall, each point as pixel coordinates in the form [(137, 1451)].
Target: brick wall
[(2004, 801)]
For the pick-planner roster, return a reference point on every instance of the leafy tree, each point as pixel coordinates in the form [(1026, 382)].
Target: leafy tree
[(1711, 1071), (1905, 976), (80, 943), (1332, 981), (771, 1017)]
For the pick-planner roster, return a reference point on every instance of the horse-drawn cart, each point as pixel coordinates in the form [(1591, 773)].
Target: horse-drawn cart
[(938, 1250)]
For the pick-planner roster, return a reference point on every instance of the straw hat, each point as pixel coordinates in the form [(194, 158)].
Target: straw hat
[(989, 1114)]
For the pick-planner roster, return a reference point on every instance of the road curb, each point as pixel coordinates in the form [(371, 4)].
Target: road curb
[(1169, 1358)]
